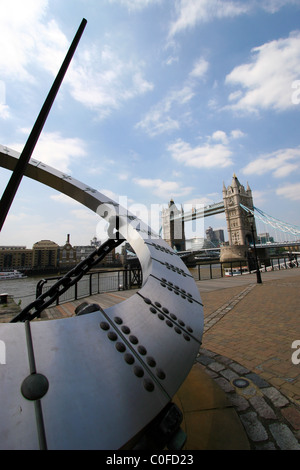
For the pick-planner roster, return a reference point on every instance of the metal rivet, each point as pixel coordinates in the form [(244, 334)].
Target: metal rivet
[(169, 323), (181, 323), (165, 310), (178, 330), (160, 374), (158, 304), (189, 329), (120, 347), (125, 329), (104, 325), (148, 301), (160, 316), (173, 316), (151, 361), (162, 284), (187, 338), (112, 336), (138, 371), (133, 339), (152, 310), (142, 350), (34, 387), (129, 358), (149, 385), (118, 320)]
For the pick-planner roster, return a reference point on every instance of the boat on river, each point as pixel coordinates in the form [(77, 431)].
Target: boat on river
[(236, 271), (6, 275)]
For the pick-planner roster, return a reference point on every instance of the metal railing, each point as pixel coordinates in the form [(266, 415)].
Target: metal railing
[(217, 269), (98, 282), (94, 282)]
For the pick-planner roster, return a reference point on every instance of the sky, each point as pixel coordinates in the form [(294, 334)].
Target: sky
[(163, 99)]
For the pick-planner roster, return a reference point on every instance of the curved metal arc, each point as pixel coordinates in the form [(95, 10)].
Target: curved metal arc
[(122, 364)]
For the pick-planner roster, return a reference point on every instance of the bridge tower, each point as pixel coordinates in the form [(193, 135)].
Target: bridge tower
[(238, 226), (173, 230)]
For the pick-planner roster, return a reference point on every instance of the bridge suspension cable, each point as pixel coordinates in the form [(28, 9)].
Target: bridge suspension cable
[(272, 221)]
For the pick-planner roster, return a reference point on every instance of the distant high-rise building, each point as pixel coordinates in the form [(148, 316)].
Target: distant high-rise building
[(215, 236)]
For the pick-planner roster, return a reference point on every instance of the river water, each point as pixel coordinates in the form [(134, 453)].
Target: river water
[(23, 290), (20, 289)]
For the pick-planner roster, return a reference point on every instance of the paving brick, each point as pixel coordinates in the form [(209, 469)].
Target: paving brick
[(239, 369), (216, 366), (204, 360), (254, 428), (284, 437), (229, 374), (275, 396), (224, 384), (240, 403), (262, 408), (292, 415), (257, 380)]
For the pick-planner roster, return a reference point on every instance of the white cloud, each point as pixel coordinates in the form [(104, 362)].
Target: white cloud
[(192, 12), (280, 163), (290, 191), (134, 5), (26, 40), (202, 156), (220, 136), (163, 189), (55, 150), (200, 68), (266, 81), (272, 6), (163, 116), (98, 77), (102, 81), (215, 152)]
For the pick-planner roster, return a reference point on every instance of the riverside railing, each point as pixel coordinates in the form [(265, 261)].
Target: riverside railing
[(217, 269), (98, 282), (94, 282)]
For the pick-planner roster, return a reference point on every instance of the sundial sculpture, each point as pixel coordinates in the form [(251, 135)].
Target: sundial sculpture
[(103, 379)]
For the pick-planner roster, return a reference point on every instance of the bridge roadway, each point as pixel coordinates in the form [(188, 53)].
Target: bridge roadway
[(248, 332)]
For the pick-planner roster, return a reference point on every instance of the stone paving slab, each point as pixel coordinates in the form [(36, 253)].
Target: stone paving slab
[(258, 330), (270, 420)]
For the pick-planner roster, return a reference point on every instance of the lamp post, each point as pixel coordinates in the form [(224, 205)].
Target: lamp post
[(251, 221)]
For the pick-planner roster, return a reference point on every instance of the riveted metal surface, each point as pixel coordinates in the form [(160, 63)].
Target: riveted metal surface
[(109, 372), (97, 398), (17, 415)]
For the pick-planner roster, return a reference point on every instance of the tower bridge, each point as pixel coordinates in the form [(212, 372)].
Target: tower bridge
[(237, 205)]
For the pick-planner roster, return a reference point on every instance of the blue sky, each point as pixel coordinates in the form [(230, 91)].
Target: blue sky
[(163, 98)]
